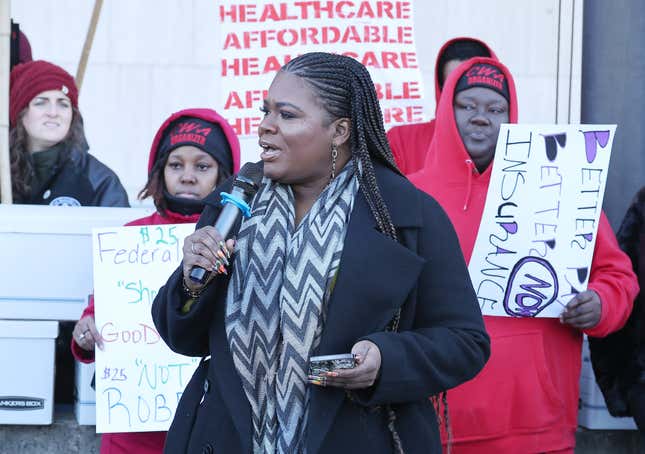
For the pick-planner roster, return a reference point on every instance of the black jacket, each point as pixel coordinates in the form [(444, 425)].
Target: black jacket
[(618, 360), (441, 340), (79, 179)]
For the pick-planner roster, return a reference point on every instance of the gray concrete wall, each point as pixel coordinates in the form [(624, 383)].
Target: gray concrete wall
[(613, 91)]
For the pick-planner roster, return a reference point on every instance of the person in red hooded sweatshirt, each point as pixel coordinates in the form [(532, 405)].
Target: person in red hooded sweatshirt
[(193, 151), (410, 143), (525, 400)]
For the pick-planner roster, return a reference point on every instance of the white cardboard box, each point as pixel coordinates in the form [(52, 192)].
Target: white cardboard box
[(85, 396), (593, 413), (54, 243), (27, 350)]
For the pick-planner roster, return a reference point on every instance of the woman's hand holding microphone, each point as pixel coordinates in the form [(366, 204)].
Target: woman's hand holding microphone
[(207, 249)]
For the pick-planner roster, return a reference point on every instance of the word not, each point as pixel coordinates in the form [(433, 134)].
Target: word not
[(315, 10), (532, 287), (153, 375)]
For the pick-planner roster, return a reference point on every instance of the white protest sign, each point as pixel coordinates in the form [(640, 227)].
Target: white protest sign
[(139, 380), (257, 38), (537, 234)]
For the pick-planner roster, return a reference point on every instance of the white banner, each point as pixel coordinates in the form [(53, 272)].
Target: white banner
[(538, 230), (139, 380), (257, 38)]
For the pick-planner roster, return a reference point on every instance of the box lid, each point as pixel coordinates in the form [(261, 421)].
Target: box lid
[(17, 329)]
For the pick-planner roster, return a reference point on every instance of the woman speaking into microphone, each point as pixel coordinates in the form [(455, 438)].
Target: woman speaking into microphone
[(340, 255)]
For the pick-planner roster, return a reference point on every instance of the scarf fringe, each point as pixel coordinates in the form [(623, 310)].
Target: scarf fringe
[(440, 404)]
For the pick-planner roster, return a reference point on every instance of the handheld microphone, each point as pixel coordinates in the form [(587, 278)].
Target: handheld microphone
[(245, 186)]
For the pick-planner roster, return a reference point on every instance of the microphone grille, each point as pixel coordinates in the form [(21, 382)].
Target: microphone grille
[(249, 177)]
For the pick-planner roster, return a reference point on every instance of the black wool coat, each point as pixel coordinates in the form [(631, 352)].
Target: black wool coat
[(79, 179), (618, 360), (441, 341)]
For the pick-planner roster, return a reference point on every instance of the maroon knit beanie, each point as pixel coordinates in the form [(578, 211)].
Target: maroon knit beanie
[(30, 79), (24, 48)]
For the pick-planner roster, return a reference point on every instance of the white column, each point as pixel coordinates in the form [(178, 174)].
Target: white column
[(5, 32)]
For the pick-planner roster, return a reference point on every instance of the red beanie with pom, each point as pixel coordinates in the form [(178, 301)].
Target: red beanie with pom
[(30, 79)]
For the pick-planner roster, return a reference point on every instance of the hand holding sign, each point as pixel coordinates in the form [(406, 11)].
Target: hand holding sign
[(138, 379), (583, 311), (86, 335), (536, 240)]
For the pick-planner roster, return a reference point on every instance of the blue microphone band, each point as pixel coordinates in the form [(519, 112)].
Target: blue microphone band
[(241, 204)]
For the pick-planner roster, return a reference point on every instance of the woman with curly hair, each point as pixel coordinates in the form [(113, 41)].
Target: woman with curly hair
[(50, 163)]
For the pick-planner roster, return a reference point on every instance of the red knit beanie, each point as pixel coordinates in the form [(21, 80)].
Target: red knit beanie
[(30, 79)]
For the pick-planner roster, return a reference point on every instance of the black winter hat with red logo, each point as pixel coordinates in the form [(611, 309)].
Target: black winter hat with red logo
[(199, 133), (484, 75)]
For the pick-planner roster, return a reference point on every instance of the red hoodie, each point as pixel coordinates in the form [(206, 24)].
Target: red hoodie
[(410, 143), (153, 442), (525, 400)]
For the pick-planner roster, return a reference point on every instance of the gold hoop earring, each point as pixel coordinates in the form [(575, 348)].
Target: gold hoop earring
[(334, 155)]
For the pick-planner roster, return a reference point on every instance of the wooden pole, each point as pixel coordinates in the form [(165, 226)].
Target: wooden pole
[(80, 72), (5, 166)]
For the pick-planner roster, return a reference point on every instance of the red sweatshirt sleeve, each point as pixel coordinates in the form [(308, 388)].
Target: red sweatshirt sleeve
[(81, 355), (613, 279), (396, 145)]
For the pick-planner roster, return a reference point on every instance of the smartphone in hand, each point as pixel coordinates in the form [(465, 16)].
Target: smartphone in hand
[(321, 364)]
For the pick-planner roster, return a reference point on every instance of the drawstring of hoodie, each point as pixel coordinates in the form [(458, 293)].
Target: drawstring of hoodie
[(469, 164)]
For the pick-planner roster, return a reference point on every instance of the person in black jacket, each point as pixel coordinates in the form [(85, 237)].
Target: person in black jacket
[(340, 254), (618, 360), (50, 163)]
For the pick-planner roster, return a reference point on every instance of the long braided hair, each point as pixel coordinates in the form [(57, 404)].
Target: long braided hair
[(346, 90)]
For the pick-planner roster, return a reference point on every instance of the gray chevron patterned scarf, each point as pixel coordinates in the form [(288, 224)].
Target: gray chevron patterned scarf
[(275, 306)]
